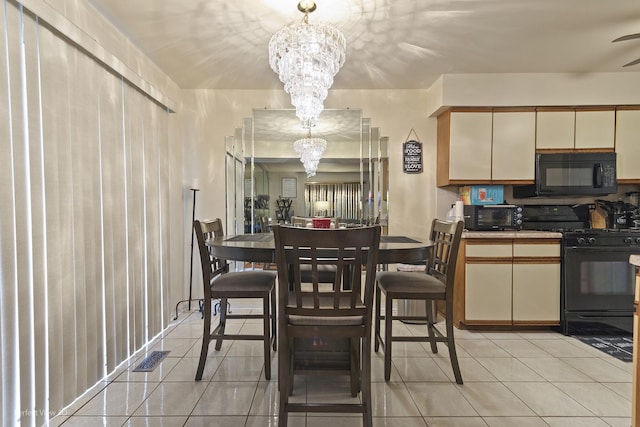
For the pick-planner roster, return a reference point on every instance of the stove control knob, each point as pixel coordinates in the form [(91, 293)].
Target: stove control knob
[(628, 240), (592, 240), (638, 240), (581, 240)]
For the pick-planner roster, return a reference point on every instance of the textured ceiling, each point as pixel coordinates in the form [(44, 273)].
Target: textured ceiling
[(391, 44), (397, 44)]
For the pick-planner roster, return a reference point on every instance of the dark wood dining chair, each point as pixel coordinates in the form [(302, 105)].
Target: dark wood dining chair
[(221, 284), (435, 284), (316, 321)]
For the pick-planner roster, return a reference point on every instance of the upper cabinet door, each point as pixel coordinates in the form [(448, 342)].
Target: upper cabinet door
[(514, 146), (628, 144), (555, 130), (595, 129), (470, 146)]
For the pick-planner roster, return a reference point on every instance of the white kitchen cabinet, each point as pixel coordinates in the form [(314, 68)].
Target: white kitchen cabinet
[(482, 147), (555, 130), (488, 293), (575, 130), (488, 282), (470, 146), (628, 145), (514, 146), (511, 282), (536, 282), (595, 129)]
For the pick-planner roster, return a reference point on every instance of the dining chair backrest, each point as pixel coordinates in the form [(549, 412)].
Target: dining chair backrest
[(351, 251), (211, 265), (443, 255)]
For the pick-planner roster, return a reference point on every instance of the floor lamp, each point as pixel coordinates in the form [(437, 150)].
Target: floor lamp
[(194, 189)]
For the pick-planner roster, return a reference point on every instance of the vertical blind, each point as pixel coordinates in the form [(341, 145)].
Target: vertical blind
[(344, 198), (84, 219)]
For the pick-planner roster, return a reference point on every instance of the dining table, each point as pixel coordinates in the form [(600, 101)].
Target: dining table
[(260, 248)]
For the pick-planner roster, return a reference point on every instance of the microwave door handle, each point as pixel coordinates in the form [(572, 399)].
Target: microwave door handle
[(597, 175)]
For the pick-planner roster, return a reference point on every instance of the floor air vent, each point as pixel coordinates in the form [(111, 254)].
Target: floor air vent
[(151, 361)]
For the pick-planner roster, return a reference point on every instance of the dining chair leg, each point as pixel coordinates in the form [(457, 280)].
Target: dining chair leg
[(283, 382), (206, 338), (388, 318), (452, 345), (291, 360), (274, 322), (430, 323), (376, 314), (354, 352), (266, 324), (367, 416), (223, 322)]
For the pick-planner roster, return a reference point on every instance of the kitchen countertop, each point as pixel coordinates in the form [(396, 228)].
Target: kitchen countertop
[(522, 234), (635, 260)]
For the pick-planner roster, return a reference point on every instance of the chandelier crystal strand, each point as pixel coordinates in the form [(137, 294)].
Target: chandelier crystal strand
[(306, 57), (310, 151)]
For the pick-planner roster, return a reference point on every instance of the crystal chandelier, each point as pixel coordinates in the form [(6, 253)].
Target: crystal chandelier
[(310, 151), (306, 57)]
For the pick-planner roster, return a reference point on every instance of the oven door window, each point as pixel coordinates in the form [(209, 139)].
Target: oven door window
[(495, 217), (598, 279)]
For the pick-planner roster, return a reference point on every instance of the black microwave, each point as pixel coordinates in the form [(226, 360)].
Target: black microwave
[(493, 217), (572, 174)]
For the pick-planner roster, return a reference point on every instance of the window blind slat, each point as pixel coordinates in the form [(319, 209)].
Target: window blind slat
[(88, 168)]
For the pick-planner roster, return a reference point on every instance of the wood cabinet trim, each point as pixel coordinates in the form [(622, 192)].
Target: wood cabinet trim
[(627, 107), (488, 322), (536, 260), (470, 110), (595, 108), (536, 323), (574, 150), (442, 154), (514, 109), (554, 109), (489, 241), (537, 241), (459, 294), (489, 260)]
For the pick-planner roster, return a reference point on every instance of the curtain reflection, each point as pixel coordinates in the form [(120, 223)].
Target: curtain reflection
[(344, 199)]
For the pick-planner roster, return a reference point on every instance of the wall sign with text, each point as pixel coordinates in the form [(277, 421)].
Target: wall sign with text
[(412, 157)]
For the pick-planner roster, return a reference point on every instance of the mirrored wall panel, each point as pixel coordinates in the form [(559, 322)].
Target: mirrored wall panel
[(349, 184)]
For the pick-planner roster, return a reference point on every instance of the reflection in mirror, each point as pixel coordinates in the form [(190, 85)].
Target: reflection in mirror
[(350, 182)]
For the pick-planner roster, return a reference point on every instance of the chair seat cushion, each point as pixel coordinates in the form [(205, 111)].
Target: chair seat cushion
[(410, 283), (246, 280)]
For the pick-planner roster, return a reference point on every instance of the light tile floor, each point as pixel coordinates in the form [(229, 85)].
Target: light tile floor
[(512, 378)]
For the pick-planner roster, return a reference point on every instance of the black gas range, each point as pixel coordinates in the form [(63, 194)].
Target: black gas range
[(597, 283), (614, 237)]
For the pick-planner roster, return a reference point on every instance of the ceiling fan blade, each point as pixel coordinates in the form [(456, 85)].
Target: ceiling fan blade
[(637, 61), (627, 37)]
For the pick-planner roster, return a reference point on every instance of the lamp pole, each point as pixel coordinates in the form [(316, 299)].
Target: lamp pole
[(194, 189)]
